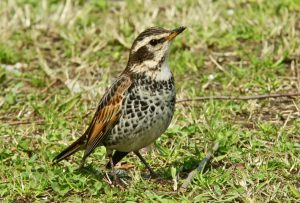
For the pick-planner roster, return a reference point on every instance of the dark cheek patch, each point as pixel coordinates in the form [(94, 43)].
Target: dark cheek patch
[(142, 54)]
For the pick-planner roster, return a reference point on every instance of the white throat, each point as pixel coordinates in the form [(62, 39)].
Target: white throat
[(163, 74)]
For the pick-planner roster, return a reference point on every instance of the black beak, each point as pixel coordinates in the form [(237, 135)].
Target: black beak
[(175, 32)]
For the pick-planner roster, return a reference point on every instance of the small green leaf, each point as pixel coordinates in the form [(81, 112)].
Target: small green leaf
[(23, 144)]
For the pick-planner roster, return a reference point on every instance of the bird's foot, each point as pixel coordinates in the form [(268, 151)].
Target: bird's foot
[(115, 181), (152, 176)]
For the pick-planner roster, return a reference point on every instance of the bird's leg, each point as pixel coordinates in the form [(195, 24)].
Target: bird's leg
[(152, 173), (116, 180), (82, 162), (112, 166), (118, 156)]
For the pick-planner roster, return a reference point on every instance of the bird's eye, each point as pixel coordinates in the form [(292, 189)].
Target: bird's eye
[(154, 42)]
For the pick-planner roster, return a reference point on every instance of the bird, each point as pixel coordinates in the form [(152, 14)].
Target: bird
[(139, 105)]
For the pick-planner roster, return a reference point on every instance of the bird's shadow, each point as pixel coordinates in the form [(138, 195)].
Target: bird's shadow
[(99, 174), (183, 167), (89, 170)]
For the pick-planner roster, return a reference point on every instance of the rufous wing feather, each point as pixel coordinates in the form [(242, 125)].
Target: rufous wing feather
[(107, 116)]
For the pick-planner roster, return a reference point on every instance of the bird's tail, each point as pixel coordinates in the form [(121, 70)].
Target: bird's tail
[(73, 148)]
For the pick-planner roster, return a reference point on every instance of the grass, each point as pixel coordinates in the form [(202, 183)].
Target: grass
[(58, 57)]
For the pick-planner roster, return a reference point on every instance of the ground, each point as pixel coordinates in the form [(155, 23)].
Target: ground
[(58, 57)]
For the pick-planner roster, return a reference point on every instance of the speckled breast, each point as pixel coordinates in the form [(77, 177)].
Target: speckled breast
[(147, 112)]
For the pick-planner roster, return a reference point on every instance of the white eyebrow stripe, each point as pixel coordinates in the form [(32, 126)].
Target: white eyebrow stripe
[(146, 41)]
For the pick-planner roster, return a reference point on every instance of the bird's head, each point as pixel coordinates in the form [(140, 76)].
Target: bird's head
[(150, 49)]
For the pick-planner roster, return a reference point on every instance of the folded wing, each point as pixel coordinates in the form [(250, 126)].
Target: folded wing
[(105, 118)]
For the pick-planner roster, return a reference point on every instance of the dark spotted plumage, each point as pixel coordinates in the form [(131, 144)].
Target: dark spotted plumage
[(157, 101), (138, 107)]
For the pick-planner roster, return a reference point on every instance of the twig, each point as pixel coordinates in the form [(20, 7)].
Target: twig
[(37, 122), (49, 86), (218, 97), (44, 65), (41, 121), (224, 97), (200, 168), (217, 64), (283, 127)]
